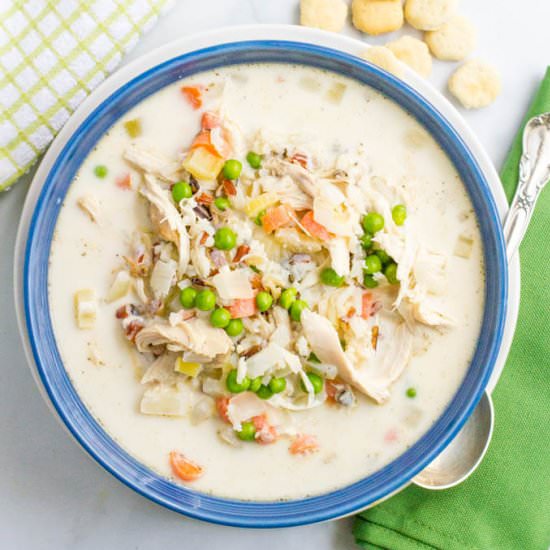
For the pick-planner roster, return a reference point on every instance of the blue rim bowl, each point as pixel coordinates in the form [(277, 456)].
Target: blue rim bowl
[(93, 437)]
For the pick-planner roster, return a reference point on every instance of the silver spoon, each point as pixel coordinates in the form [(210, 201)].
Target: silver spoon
[(465, 452)]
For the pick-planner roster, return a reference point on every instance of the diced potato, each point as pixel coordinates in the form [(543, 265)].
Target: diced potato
[(187, 368), (202, 164), (310, 84), (133, 127), (85, 305), (377, 16), (336, 92), (464, 246), (261, 202), (163, 401), (120, 287)]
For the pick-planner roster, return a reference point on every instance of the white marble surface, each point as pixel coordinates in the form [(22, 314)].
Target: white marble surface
[(54, 496)]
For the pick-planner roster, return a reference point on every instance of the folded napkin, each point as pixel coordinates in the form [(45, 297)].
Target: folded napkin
[(505, 505), (53, 53)]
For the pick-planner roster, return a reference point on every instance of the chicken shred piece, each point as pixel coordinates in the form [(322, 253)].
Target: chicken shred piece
[(166, 218), (194, 335)]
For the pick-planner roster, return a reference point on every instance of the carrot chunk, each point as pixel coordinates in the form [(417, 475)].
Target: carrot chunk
[(184, 468), (315, 229), (193, 94), (275, 217), (221, 406), (304, 444), (124, 182), (210, 120), (242, 308)]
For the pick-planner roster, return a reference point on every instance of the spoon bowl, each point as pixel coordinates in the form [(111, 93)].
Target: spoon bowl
[(464, 453)]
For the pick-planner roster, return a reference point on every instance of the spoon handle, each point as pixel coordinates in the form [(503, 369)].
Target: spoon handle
[(534, 173)]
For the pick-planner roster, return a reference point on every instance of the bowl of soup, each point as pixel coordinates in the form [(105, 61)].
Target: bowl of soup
[(264, 282)]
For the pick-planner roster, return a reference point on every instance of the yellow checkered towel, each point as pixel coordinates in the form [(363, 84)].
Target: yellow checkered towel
[(53, 53)]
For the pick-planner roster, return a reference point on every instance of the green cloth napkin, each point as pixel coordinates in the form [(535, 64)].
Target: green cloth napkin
[(506, 503), (53, 53)]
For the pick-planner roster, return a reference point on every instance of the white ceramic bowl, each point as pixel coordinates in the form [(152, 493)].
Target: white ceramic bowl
[(193, 504)]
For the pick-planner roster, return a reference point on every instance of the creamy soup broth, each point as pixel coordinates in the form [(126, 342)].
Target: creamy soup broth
[(353, 442)]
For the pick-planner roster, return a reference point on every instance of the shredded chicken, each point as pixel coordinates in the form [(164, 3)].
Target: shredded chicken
[(195, 335), (166, 219), (152, 162)]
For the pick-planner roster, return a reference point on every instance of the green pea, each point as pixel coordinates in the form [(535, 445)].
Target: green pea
[(373, 222), (254, 160), (235, 387), (255, 384), (369, 281), (258, 218), (222, 203), (384, 257), (264, 301), (296, 309), (205, 300), (331, 278), (181, 190), (390, 271), (366, 241), (399, 214), (232, 169), (264, 392), (220, 317), (187, 297), (288, 297), (312, 358), (411, 392), (277, 385), (247, 432), (225, 238), (372, 264), (234, 328), (316, 381), (101, 171)]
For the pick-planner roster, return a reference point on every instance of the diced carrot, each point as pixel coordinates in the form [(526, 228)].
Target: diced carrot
[(275, 217), (315, 229), (124, 182), (184, 468), (368, 305), (220, 147), (203, 140), (304, 444), (256, 282), (205, 198), (243, 250), (331, 390), (193, 94), (229, 188), (221, 406), (242, 308), (210, 120), (299, 158), (265, 433), (204, 238)]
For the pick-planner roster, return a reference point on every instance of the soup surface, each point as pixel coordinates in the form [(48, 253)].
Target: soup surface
[(276, 327)]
